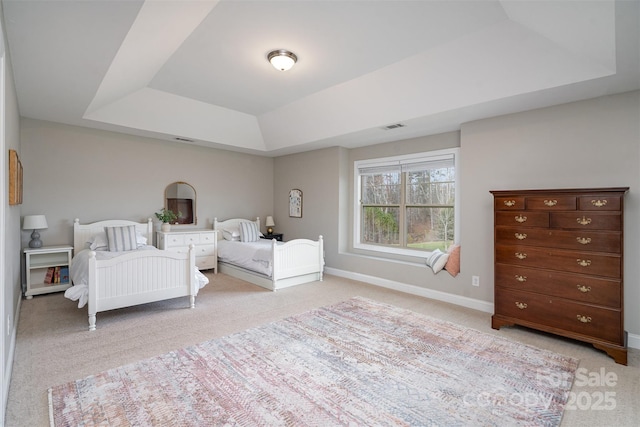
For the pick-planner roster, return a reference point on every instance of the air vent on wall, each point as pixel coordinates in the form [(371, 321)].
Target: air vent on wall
[(394, 126), (181, 139)]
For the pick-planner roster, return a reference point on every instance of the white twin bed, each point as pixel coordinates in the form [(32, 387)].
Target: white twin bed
[(110, 279), (267, 263)]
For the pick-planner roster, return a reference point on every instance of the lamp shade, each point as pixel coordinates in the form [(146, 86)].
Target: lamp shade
[(34, 222), (269, 222)]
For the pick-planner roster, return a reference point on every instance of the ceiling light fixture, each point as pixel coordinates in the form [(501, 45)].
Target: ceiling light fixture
[(282, 59)]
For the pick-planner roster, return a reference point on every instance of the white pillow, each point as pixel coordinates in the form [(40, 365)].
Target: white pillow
[(121, 238), (437, 260), (232, 234), (249, 232), (98, 242), (140, 239)]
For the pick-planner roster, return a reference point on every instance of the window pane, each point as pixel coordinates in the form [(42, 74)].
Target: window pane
[(381, 189), (380, 225), (431, 187), (429, 228)]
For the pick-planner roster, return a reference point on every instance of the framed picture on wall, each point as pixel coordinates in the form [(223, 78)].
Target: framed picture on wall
[(295, 203), (15, 178)]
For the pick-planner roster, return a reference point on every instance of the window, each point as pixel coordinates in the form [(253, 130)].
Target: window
[(406, 204)]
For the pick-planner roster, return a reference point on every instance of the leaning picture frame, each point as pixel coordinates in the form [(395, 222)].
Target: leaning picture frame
[(295, 203)]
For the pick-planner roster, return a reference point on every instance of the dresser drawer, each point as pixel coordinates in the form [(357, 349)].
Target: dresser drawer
[(585, 289), (599, 203), (509, 203), (208, 238), (600, 241), (206, 263), (551, 202), (173, 240), (559, 313), (523, 219), (590, 263), (587, 220), (205, 250)]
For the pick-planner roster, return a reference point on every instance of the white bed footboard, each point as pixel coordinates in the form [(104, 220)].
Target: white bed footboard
[(140, 277), (297, 258)]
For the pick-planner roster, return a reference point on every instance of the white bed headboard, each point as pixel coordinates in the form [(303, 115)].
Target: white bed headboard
[(82, 232), (231, 223)]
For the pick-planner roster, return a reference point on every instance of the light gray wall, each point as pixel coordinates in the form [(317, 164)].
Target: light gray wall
[(593, 143), (10, 237), (72, 172)]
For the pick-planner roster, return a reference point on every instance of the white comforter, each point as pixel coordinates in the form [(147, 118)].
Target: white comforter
[(254, 256), (79, 273)]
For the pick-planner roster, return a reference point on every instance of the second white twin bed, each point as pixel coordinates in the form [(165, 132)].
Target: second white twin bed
[(274, 265)]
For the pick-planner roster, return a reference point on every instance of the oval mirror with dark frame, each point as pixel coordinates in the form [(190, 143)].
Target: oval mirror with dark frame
[(181, 197)]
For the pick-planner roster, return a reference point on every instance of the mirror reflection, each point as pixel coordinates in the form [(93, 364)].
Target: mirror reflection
[(181, 197)]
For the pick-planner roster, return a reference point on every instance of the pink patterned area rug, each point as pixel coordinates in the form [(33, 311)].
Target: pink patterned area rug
[(355, 363)]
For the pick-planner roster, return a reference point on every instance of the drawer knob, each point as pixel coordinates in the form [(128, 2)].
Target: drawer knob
[(583, 319), (584, 289), (584, 221), (521, 219), (599, 203), (521, 236), (550, 202), (583, 240), (509, 203), (521, 255), (521, 305), (584, 262), (521, 278)]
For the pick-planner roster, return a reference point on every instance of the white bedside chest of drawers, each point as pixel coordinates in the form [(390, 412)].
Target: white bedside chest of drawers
[(204, 240)]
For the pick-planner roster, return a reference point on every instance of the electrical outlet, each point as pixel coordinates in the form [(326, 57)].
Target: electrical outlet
[(475, 280)]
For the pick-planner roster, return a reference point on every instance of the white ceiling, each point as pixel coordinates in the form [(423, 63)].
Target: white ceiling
[(198, 69)]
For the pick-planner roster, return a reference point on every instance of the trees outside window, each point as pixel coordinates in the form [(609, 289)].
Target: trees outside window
[(407, 203)]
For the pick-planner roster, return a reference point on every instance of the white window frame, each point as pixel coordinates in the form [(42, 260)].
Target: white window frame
[(397, 160)]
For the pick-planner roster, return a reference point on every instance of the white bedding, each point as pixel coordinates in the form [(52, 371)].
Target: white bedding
[(254, 256), (80, 268)]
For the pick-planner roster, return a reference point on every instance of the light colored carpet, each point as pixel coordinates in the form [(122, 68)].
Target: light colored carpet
[(54, 346), (358, 362)]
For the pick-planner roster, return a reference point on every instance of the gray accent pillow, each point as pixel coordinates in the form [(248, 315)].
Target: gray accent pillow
[(121, 238)]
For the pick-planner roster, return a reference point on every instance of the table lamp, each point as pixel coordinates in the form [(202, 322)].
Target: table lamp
[(270, 224), (35, 223)]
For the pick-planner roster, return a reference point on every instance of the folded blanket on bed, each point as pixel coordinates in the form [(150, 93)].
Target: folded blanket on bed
[(79, 273)]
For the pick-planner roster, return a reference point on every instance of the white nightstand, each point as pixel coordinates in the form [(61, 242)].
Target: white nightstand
[(206, 242), (55, 260)]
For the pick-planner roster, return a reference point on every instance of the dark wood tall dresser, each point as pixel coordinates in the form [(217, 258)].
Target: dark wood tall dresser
[(559, 264)]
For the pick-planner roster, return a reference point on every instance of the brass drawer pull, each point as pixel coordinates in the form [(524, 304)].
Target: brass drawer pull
[(550, 202), (583, 221), (521, 219), (584, 289), (509, 203), (521, 305), (521, 236), (583, 319), (583, 240), (584, 262), (599, 203), (521, 278), (520, 255)]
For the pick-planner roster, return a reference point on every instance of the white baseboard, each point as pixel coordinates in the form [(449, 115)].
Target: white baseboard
[(475, 304), (633, 340)]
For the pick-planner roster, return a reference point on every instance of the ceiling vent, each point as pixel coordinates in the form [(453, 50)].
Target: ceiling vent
[(394, 126), (181, 139)]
